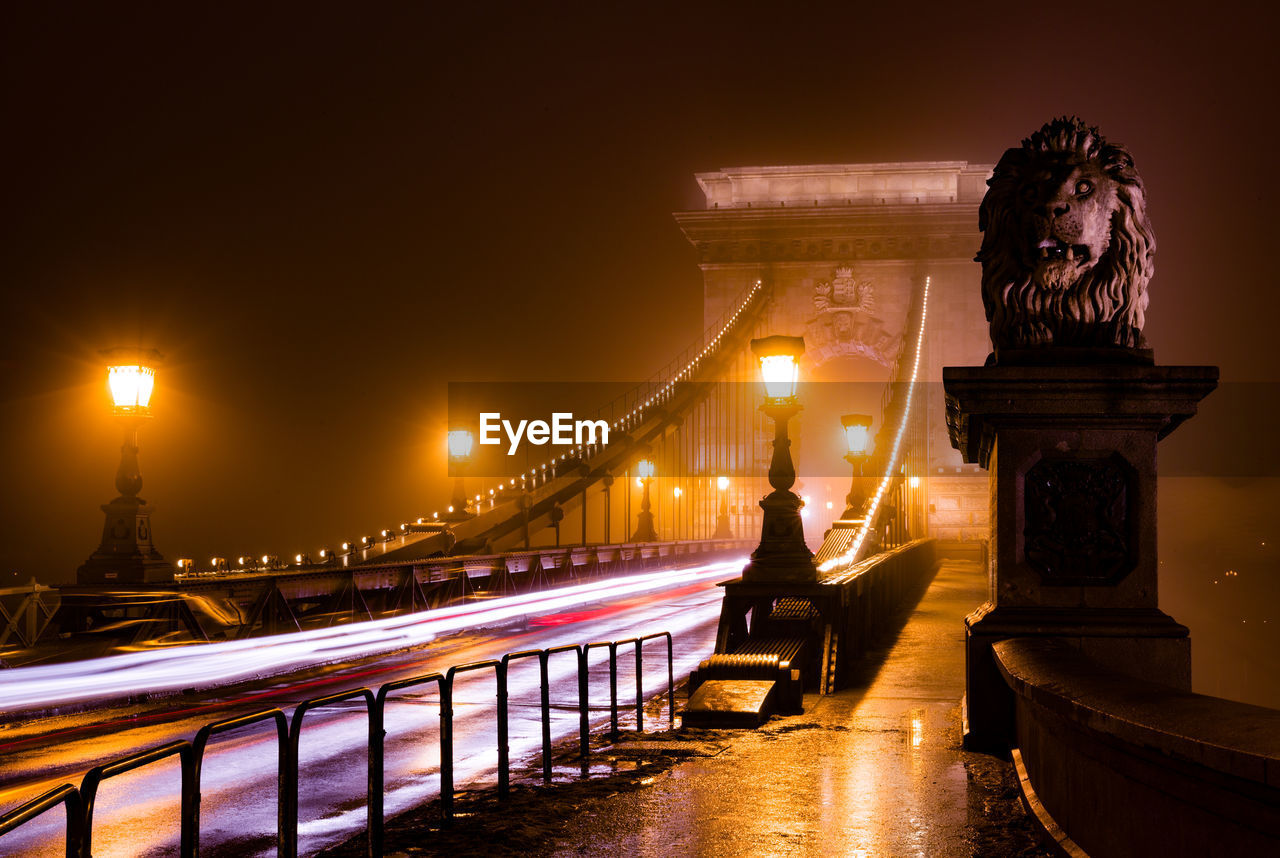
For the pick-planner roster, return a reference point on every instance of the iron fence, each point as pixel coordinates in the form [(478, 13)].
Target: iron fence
[(79, 801), (89, 788), (66, 794), (208, 731)]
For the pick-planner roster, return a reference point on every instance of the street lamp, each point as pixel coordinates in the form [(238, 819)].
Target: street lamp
[(782, 554), (460, 444), (723, 529), (645, 531), (126, 553), (857, 432)]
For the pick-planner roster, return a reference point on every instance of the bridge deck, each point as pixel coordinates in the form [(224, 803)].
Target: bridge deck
[(875, 770)]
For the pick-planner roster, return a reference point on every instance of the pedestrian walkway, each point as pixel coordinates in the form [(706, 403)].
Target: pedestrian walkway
[(875, 771), (872, 771)]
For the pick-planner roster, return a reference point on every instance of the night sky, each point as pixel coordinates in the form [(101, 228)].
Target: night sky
[(322, 214)]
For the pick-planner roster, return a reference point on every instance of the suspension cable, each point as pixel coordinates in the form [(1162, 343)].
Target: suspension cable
[(886, 482)]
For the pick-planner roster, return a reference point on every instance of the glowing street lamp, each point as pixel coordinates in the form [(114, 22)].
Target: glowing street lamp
[(782, 554), (460, 442), (131, 386), (645, 531), (460, 445), (780, 372), (723, 529), (857, 434), (126, 553)]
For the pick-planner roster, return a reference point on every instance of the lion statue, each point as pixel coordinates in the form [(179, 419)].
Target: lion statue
[(1067, 249)]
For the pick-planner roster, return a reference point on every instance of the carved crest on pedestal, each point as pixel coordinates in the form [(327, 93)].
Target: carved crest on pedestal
[(1077, 520)]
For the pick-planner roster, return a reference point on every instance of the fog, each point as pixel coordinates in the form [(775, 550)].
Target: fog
[(323, 215)]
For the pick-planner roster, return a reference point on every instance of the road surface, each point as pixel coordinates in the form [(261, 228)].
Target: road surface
[(136, 813)]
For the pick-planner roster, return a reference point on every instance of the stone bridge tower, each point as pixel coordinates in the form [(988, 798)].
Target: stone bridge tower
[(844, 246)]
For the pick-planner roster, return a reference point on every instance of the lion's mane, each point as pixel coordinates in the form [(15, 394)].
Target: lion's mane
[(1105, 306)]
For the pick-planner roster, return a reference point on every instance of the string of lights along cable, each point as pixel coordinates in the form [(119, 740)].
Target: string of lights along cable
[(891, 466), (659, 393)]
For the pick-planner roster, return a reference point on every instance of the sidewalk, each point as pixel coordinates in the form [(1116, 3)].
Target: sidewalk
[(872, 771)]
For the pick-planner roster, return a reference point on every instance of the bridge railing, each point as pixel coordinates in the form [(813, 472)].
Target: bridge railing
[(79, 801), (564, 557), (24, 613), (393, 587)]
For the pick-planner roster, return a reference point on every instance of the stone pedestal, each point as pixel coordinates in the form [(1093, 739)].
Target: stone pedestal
[(126, 554), (782, 554), (1071, 455)]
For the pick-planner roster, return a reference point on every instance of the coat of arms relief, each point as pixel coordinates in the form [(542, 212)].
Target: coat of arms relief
[(844, 324), (844, 293)]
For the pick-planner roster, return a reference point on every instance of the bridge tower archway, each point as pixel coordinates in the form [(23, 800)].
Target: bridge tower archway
[(844, 248)]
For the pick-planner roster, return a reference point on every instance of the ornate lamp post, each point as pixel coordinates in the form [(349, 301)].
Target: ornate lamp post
[(782, 554), (126, 553), (460, 444), (857, 431), (723, 529), (645, 531)]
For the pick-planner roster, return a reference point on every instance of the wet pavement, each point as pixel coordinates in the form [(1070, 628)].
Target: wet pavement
[(876, 770), (136, 814)]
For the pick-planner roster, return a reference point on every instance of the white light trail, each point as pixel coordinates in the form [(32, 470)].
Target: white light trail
[(209, 665)]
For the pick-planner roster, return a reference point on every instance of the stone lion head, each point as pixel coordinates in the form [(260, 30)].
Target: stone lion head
[(1067, 249)]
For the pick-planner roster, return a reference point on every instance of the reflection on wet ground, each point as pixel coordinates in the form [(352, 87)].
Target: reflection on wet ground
[(876, 770)]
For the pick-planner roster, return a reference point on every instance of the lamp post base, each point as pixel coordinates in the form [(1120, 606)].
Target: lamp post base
[(782, 554), (126, 554), (645, 531)]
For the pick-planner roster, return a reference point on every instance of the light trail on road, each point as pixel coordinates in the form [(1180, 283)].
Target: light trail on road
[(137, 813), (209, 665)]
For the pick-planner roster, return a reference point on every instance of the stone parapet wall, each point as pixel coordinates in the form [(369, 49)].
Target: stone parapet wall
[(1127, 767)]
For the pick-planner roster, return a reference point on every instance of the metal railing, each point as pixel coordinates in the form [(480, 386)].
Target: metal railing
[(79, 801), (66, 794), (607, 556), (283, 749), (89, 788), (29, 618)]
